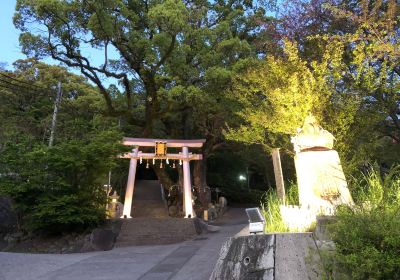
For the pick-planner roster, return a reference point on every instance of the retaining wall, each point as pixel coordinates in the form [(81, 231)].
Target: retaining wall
[(283, 256)]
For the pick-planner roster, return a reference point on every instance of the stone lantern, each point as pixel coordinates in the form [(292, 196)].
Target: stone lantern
[(113, 205)]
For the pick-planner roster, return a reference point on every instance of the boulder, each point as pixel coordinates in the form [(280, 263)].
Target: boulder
[(102, 239), (203, 227)]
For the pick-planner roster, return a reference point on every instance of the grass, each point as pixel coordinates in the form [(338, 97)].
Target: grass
[(270, 208)]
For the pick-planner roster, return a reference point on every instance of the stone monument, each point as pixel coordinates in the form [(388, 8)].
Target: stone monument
[(321, 181)]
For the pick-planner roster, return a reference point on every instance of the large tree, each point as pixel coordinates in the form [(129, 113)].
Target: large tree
[(174, 58), (162, 44)]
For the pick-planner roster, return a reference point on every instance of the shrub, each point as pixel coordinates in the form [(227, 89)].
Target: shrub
[(59, 189), (367, 236)]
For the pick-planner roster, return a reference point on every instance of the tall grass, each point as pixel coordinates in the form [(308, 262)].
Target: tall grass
[(270, 208), (272, 213), (376, 190)]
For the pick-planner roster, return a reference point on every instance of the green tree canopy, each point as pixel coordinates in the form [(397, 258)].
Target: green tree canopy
[(277, 94)]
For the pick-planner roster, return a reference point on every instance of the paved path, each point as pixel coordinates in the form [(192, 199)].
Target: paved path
[(190, 260)]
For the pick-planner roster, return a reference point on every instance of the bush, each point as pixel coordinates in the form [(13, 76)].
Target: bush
[(60, 189), (367, 236)]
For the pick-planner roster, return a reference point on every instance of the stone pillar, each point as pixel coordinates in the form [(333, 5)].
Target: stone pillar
[(187, 185), (280, 185), (322, 183), (130, 185)]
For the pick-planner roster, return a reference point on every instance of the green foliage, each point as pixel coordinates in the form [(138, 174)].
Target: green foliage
[(271, 211), (277, 94), (174, 58), (292, 194), (367, 236), (59, 189)]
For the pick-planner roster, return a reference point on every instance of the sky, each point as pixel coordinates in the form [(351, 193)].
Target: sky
[(9, 45), (10, 50)]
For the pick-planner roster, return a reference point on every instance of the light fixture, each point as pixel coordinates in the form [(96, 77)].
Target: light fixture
[(242, 177)]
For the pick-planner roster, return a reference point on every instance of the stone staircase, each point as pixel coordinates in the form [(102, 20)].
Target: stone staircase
[(155, 231), (147, 200), (150, 223)]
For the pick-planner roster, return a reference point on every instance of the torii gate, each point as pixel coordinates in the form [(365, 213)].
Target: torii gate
[(160, 152)]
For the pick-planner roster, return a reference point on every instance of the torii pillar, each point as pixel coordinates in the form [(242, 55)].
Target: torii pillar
[(130, 185), (184, 156), (187, 185)]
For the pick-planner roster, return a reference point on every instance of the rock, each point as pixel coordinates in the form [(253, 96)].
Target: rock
[(103, 239), (212, 213), (8, 238), (8, 218), (86, 244), (172, 210), (325, 245), (203, 227), (13, 237), (199, 226), (245, 258)]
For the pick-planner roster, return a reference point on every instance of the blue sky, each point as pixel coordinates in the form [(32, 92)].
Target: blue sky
[(9, 45), (10, 50)]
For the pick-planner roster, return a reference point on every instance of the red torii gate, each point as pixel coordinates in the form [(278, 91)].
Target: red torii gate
[(160, 146)]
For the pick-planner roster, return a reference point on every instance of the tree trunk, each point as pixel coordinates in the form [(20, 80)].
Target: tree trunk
[(200, 182), (163, 177)]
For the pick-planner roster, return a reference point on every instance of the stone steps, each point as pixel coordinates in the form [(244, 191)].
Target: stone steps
[(147, 200), (149, 208), (155, 231)]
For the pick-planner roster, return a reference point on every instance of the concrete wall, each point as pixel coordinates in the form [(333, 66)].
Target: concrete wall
[(284, 256)]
